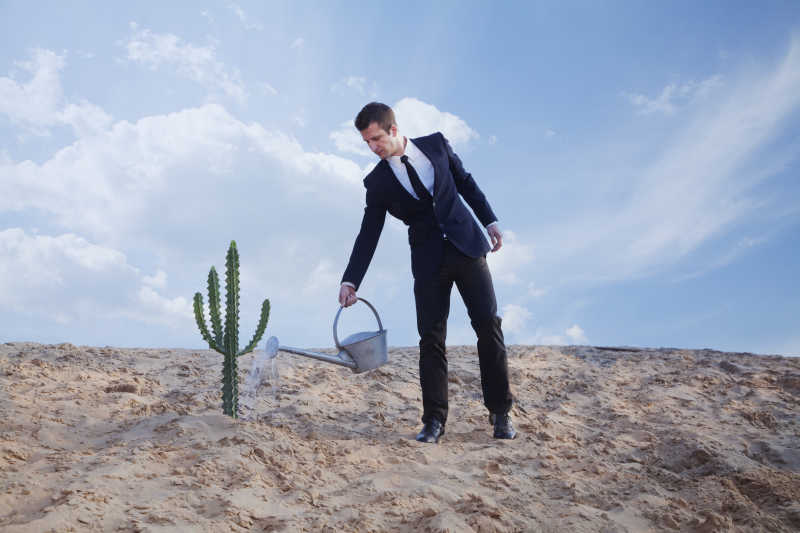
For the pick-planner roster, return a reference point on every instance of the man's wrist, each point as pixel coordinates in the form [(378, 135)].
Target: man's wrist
[(348, 284), (490, 224)]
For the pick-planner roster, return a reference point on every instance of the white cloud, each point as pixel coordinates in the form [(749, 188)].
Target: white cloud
[(86, 118), (492, 139), (105, 184), (66, 278), (297, 43), (576, 334), (39, 104), (356, 83), (507, 263), (246, 20), (535, 291), (197, 63), (416, 118), (299, 118), (697, 187), (159, 280), (205, 14), (266, 88), (550, 133), (316, 167), (672, 96), (515, 318), (37, 261), (543, 337), (323, 278), (159, 309), (348, 140), (741, 247), (548, 340)]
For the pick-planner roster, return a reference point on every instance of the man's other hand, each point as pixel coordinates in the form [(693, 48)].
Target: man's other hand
[(347, 295), (496, 235)]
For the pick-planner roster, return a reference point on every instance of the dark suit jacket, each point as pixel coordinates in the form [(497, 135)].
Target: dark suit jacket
[(450, 215)]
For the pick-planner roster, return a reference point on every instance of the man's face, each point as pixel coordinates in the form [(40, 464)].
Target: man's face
[(383, 144)]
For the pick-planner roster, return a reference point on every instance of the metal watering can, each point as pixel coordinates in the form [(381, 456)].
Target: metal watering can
[(359, 352)]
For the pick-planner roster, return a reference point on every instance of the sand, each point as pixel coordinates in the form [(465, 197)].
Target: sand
[(108, 439)]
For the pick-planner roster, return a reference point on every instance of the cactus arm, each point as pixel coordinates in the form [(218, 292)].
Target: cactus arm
[(201, 322), (262, 325), (213, 305)]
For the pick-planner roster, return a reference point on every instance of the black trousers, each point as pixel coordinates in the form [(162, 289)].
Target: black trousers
[(432, 295)]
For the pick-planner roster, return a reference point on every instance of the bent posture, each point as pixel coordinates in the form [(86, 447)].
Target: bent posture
[(419, 182)]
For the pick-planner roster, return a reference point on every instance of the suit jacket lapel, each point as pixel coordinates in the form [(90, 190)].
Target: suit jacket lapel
[(420, 143), (392, 181)]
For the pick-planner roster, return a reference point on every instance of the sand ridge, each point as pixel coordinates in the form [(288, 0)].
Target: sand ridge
[(614, 439)]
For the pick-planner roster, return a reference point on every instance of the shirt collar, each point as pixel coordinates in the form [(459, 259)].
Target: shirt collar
[(411, 151)]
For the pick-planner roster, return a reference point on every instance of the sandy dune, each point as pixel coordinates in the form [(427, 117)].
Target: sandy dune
[(107, 439)]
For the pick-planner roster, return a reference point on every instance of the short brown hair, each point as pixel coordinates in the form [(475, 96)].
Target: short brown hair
[(375, 112)]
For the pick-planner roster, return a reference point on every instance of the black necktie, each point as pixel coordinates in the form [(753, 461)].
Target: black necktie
[(416, 183)]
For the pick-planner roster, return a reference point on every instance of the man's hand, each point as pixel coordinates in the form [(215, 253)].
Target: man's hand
[(347, 295), (496, 236)]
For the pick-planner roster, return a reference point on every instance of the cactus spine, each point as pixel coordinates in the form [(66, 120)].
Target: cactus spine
[(226, 341)]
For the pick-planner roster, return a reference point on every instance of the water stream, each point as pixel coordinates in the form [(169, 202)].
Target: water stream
[(255, 377)]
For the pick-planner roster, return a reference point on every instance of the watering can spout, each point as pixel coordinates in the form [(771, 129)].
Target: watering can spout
[(359, 352), (341, 359)]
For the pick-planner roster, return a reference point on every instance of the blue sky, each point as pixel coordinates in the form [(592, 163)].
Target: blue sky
[(642, 158)]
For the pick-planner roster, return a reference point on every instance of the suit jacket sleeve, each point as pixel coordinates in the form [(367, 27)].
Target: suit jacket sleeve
[(467, 187), (367, 239)]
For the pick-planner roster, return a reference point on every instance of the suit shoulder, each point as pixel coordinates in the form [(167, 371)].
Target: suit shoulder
[(434, 137), (372, 178)]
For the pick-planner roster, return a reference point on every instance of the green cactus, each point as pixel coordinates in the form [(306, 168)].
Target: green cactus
[(226, 341)]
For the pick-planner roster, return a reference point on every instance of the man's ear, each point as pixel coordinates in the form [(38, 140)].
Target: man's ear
[(393, 130)]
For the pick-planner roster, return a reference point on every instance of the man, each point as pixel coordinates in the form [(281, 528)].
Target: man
[(419, 182)]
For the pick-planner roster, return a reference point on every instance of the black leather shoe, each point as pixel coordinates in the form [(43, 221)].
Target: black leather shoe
[(503, 429), (431, 431)]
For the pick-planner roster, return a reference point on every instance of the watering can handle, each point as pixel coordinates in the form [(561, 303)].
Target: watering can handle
[(336, 320)]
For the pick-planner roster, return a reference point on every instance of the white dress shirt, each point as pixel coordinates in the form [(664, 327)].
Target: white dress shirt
[(421, 164)]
